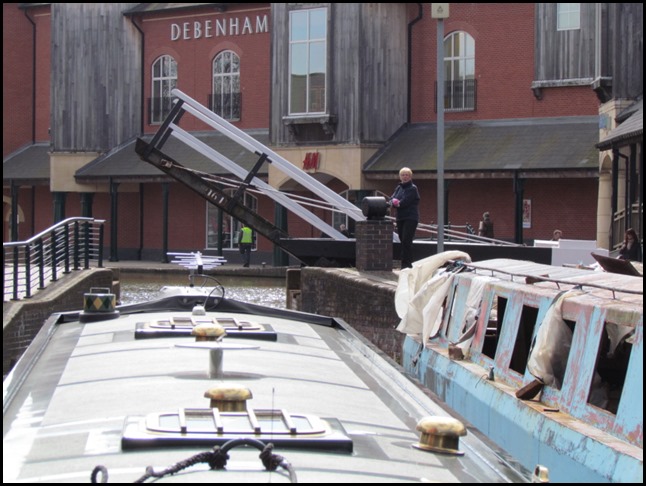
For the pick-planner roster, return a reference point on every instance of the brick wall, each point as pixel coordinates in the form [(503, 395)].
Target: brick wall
[(23, 319), (374, 250), (364, 302)]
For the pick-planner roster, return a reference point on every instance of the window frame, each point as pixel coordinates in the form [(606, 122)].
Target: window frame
[(213, 229), (464, 59), (308, 42), (232, 80), (166, 81), (565, 16)]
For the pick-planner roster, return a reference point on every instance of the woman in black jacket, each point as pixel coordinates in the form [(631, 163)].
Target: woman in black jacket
[(406, 200)]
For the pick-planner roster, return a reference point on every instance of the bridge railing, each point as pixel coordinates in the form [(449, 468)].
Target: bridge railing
[(28, 266)]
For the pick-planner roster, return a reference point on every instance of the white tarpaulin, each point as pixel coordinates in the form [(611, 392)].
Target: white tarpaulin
[(421, 292)]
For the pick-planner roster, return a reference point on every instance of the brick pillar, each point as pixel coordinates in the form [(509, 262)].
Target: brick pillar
[(374, 250)]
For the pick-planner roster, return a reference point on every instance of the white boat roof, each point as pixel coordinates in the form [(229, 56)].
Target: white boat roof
[(67, 400)]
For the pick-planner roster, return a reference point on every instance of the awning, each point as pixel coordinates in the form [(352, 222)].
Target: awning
[(29, 165), (122, 164), (631, 130), (547, 147)]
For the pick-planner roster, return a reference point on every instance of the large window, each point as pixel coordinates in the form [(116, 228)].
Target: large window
[(221, 226), (568, 16), (307, 61), (164, 80), (459, 72), (226, 99)]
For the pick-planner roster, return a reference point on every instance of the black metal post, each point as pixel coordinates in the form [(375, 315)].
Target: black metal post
[(164, 257), (54, 249), (100, 244), (27, 272), (66, 250), (77, 244), (41, 264)]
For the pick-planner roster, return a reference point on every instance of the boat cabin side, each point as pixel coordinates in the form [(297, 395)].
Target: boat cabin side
[(595, 353)]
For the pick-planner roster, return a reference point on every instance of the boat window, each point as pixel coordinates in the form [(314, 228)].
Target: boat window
[(523, 339), (492, 334), (611, 367)]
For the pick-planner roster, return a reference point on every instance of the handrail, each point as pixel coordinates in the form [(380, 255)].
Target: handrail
[(43, 233), (532, 279), (57, 249)]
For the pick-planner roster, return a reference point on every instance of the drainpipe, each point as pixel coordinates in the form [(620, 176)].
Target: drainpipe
[(143, 53), (142, 107), (410, 60), (33, 78)]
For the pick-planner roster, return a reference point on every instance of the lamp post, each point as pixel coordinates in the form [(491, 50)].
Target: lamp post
[(440, 11)]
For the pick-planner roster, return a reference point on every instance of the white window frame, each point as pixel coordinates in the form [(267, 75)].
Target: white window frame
[(162, 84), (568, 16), (314, 45), (229, 83), (465, 60)]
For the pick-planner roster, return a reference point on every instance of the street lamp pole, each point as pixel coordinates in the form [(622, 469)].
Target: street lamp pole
[(440, 11)]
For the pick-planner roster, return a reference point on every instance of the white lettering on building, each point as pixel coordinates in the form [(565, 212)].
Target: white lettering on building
[(223, 27)]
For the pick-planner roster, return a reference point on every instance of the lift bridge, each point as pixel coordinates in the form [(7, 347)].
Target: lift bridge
[(210, 189), (337, 250)]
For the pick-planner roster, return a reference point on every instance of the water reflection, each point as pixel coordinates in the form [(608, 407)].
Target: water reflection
[(137, 287)]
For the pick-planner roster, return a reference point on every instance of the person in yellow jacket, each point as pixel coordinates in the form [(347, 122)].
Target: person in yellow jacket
[(245, 242)]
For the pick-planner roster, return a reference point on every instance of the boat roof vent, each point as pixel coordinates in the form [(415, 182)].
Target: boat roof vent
[(229, 398), (440, 434), (209, 331)]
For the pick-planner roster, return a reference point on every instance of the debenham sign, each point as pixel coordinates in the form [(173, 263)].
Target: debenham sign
[(206, 29)]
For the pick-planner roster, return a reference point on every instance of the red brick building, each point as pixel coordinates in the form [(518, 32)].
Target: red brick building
[(522, 117)]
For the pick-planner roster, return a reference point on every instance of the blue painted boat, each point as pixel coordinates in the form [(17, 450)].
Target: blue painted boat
[(546, 361)]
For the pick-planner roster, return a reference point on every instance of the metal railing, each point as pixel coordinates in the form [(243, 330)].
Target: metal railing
[(30, 265)]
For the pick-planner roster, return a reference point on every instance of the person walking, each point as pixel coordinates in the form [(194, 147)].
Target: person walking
[(405, 200), (245, 242)]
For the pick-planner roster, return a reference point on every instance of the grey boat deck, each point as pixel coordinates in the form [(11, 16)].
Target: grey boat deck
[(68, 414)]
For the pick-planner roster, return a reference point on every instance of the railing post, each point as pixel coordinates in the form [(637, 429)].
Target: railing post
[(100, 245), (66, 242), (41, 264), (86, 246), (76, 245), (54, 257), (15, 273), (27, 271)]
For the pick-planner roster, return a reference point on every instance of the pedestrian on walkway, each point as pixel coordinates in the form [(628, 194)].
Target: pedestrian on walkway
[(245, 243)]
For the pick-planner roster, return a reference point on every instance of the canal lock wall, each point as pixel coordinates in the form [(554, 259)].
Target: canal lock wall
[(364, 300), (23, 319)]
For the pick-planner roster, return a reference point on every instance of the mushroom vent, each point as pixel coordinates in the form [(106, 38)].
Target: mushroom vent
[(98, 305), (209, 331), (440, 434), (229, 398)]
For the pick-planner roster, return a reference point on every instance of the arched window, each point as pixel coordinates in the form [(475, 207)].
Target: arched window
[(459, 72), (164, 80), (226, 98)]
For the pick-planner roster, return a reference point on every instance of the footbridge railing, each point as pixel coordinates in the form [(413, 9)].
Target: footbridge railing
[(29, 266)]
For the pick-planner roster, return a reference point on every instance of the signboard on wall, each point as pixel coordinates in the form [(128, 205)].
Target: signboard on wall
[(527, 213)]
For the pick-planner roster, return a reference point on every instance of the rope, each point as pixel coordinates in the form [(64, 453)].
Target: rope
[(216, 459)]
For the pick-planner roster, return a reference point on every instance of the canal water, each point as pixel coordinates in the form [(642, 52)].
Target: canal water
[(140, 287)]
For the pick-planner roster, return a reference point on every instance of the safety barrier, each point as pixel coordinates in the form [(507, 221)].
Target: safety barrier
[(28, 266)]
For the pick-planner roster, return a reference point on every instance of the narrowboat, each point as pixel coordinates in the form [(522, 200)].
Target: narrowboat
[(174, 390), (546, 361)]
